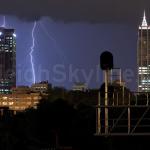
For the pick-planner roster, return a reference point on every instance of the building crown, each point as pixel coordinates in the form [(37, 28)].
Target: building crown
[(144, 22)]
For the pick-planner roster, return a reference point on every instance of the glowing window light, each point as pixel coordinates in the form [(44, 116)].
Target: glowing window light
[(142, 67), (11, 103), (4, 98), (14, 35), (4, 103)]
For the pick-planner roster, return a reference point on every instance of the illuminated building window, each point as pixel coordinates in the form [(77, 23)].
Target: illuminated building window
[(4, 103), (11, 103)]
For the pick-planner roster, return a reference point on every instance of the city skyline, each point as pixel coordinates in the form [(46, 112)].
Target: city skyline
[(59, 50), (74, 74), (88, 38)]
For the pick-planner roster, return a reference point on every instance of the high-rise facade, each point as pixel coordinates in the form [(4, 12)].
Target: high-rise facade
[(7, 59), (143, 56)]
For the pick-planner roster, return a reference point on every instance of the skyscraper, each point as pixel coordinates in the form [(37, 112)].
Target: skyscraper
[(7, 59), (143, 56)]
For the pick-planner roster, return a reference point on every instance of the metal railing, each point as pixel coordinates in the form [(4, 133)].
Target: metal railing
[(128, 114)]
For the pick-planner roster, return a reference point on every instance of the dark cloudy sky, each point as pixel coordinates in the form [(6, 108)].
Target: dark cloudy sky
[(70, 36), (91, 11)]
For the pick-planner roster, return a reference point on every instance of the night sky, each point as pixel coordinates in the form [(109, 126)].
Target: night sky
[(70, 36)]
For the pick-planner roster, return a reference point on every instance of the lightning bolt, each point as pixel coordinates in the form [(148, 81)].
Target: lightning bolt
[(32, 50), (4, 22), (54, 41)]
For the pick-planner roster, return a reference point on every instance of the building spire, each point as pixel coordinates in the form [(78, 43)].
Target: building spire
[(144, 23)]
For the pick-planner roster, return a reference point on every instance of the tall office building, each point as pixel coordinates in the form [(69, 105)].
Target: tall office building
[(7, 59), (143, 56)]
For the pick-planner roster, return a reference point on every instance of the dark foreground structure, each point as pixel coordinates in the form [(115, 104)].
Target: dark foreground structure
[(59, 124)]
